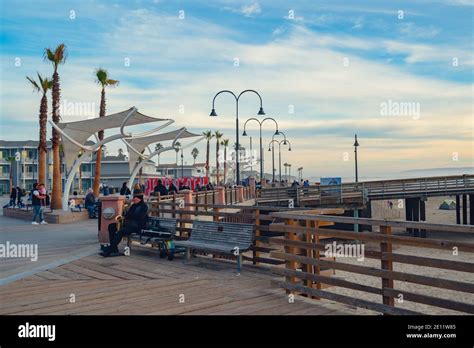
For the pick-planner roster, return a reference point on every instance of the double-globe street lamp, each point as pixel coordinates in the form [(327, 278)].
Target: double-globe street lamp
[(273, 153), (260, 123), (284, 142), (237, 98)]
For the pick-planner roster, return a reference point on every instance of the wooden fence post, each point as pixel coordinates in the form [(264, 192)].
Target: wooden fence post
[(257, 234), (386, 248), (173, 214)]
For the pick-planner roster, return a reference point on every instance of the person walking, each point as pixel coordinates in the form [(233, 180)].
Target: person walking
[(19, 195), (12, 197), (38, 201)]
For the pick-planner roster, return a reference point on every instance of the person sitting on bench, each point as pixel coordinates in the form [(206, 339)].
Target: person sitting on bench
[(135, 221)]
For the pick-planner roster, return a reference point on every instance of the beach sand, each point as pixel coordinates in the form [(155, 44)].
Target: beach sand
[(380, 209)]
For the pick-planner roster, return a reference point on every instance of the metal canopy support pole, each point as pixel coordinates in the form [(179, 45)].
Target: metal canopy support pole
[(356, 215), (458, 210), (409, 212), (464, 209), (416, 215), (471, 211), (422, 217)]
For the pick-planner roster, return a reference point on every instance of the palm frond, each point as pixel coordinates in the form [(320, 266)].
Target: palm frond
[(112, 83), (34, 84), (101, 76)]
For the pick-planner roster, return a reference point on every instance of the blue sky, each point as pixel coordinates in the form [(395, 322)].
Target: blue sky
[(333, 62)]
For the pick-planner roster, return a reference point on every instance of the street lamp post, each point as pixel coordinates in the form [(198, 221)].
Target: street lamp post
[(273, 152), (237, 98), (182, 163), (260, 123), (284, 142), (251, 160), (356, 211), (356, 144)]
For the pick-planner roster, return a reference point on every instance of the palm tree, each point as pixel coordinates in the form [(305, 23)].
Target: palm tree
[(238, 152), (208, 135), (56, 57), (225, 143), (194, 153), (177, 147), (104, 81), (11, 160), (43, 86), (158, 147), (218, 136)]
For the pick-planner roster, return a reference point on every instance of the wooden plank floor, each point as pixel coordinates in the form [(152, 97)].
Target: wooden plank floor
[(145, 284)]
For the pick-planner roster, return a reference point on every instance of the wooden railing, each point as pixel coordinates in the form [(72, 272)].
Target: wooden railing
[(313, 195), (208, 197), (358, 193), (305, 259)]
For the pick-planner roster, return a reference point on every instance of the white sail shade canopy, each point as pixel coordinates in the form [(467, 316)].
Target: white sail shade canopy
[(140, 144), (80, 131)]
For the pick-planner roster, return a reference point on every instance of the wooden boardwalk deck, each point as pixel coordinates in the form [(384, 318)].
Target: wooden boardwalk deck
[(144, 284)]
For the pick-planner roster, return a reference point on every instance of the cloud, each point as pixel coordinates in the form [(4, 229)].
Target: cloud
[(413, 31), (250, 10), (185, 62)]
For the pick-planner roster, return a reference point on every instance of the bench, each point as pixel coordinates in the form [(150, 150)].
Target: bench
[(220, 237), (158, 232)]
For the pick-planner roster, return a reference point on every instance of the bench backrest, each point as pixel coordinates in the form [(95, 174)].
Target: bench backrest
[(161, 224), (232, 234)]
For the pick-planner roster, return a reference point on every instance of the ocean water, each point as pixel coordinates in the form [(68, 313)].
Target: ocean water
[(418, 173)]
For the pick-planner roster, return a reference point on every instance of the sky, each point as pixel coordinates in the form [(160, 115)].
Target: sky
[(397, 73)]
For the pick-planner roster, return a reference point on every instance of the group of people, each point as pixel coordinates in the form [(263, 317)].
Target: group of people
[(16, 198)]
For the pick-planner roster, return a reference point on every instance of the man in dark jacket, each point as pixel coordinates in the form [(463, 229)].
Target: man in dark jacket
[(124, 191), (135, 221), (160, 188), (89, 203)]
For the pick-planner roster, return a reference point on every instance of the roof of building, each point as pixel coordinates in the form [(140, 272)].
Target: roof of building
[(174, 165)]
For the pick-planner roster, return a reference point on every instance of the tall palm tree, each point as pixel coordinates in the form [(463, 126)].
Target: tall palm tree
[(158, 147), (238, 152), (42, 86), (218, 136), (11, 160), (177, 147), (194, 153), (225, 143), (102, 79), (56, 57), (208, 136)]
